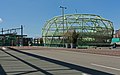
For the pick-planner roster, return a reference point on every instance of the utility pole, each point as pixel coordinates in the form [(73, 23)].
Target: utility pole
[(2, 37), (63, 22), (2, 31), (21, 35)]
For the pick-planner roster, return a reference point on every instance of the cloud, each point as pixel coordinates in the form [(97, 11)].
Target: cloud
[(1, 20)]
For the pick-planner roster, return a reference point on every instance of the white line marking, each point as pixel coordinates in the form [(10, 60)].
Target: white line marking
[(108, 56), (85, 74), (105, 66), (3, 48)]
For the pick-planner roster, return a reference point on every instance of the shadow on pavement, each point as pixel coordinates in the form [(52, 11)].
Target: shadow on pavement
[(35, 67), (66, 64), (2, 72)]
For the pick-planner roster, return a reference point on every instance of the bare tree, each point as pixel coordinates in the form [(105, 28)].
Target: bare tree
[(71, 37)]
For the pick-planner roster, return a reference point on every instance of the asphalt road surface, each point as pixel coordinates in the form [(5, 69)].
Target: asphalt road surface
[(56, 62)]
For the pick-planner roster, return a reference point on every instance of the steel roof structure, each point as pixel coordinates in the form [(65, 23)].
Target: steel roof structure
[(92, 30)]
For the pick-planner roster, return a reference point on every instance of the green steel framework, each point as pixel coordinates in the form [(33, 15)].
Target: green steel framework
[(93, 30)]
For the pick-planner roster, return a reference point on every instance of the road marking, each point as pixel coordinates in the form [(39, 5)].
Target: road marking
[(105, 66), (111, 56), (85, 74), (3, 48)]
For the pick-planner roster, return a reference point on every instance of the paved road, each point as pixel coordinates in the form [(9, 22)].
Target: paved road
[(105, 63), (56, 62)]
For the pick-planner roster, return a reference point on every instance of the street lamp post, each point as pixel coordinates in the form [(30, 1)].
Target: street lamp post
[(63, 22)]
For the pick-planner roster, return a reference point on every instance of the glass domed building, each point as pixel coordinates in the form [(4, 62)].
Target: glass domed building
[(86, 29)]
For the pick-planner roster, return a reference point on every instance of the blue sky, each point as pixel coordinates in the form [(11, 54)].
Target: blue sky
[(33, 14)]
